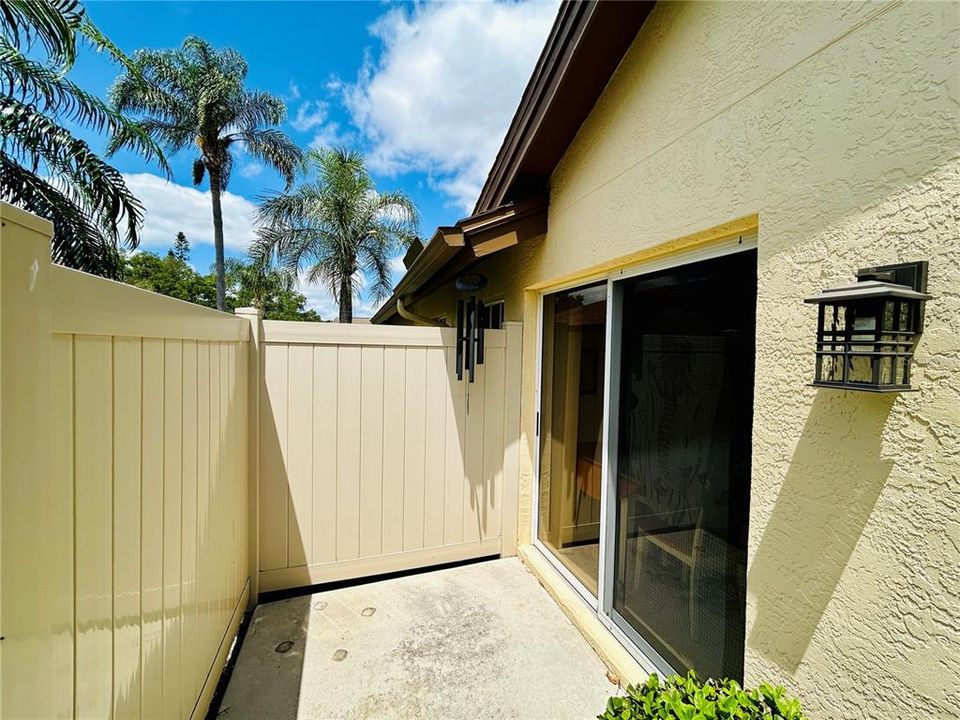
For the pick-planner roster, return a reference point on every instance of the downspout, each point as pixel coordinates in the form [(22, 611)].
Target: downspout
[(413, 317)]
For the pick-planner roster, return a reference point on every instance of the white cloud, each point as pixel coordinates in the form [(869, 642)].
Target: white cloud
[(319, 298), (330, 136), (441, 94), (397, 268), (315, 115), (170, 208), (251, 170), (310, 114), (293, 92)]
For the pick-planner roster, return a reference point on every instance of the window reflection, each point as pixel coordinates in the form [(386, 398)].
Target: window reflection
[(683, 471), (571, 417)]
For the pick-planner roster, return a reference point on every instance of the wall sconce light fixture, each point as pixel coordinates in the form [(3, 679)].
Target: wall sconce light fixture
[(867, 330)]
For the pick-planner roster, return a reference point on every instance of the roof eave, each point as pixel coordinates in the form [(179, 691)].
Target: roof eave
[(470, 239)]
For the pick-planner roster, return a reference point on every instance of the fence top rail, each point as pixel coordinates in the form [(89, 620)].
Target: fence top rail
[(84, 304), (315, 333)]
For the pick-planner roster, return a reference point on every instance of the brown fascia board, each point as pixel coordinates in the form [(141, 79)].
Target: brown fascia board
[(445, 243), (416, 247), (586, 44), (516, 222)]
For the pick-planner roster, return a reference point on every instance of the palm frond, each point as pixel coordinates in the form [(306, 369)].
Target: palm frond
[(83, 238), (38, 143), (51, 23), (273, 148), (256, 109)]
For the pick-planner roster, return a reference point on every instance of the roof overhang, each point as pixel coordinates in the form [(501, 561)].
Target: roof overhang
[(586, 44), (454, 247)]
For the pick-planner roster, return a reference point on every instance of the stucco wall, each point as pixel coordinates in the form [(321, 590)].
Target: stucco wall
[(837, 124)]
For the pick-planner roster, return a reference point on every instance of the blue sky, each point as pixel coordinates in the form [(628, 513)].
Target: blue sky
[(397, 81)]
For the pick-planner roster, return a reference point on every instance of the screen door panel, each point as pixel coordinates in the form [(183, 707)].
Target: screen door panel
[(683, 460)]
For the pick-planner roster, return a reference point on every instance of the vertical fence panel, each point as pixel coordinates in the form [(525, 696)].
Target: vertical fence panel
[(348, 454), (223, 491), (300, 452), (404, 470), (323, 467), (414, 457), (491, 490), (436, 447), (93, 467), (216, 517), (172, 496), (273, 477), (510, 505), (394, 446), (126, 526), (151, 531), (473, 516), (453, 493), (58, 693), (188, 522), (371, 450), (206, 648)]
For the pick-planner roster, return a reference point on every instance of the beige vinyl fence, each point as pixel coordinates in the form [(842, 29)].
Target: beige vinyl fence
[(123, 490), (375, 458), (162, 463)]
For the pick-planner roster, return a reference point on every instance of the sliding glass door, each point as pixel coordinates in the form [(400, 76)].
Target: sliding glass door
[(571, 429), (685, 401), (668, 499)]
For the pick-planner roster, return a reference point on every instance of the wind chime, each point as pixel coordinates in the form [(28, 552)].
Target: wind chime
[(470, 324)]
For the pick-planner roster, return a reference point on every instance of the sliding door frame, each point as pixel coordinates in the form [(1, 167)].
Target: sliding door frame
[(584, 592), (602, 604)]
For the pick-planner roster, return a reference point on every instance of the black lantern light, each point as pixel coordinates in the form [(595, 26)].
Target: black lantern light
[(867, 330)]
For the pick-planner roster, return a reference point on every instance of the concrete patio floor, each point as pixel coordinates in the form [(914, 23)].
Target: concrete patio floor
[(477, 641)]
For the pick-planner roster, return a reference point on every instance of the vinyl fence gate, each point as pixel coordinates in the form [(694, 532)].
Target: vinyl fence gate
[(374, 458)]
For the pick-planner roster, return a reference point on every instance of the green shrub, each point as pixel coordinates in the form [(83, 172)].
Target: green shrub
[(686, 698)]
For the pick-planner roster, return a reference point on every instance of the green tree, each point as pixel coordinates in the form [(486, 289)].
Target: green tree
[(335, 224), (271, 289), (181, 247), (44, 168), (170, 275), (255, 283), (196, 96)]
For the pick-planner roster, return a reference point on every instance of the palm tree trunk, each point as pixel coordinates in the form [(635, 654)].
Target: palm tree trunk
[(218, 239), (346, 302)]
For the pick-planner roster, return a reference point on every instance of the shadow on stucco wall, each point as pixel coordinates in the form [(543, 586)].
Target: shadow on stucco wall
[(832, 483)]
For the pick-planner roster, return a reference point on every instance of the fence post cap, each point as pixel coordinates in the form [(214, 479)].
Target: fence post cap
[(249, 311)]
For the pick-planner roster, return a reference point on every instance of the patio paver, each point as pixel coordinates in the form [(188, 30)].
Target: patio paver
[(477, 641)]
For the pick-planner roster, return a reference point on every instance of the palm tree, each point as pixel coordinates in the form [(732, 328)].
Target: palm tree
[(335, 224), (272, 289), (195, 95), (254, 282), (44, 168)]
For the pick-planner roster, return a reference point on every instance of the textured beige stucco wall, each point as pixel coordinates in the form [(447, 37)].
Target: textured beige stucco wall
[(839, 126)]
